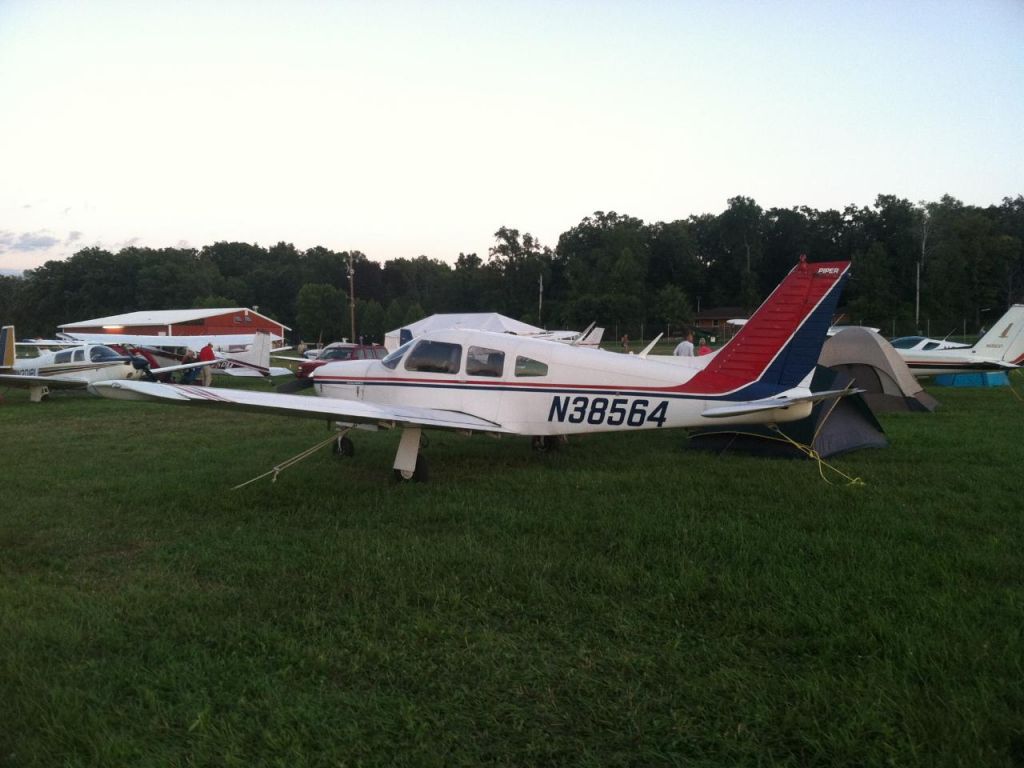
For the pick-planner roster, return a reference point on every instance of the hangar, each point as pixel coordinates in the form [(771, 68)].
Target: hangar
[(181, 322)]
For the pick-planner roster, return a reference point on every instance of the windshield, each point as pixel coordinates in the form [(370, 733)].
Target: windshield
[(906, 342), (101, 354), (392, 360), (338, 353)]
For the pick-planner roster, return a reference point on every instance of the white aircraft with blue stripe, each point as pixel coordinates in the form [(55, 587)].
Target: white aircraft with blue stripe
[(479, 381), (74, 367)]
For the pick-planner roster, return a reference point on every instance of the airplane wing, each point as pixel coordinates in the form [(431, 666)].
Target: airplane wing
[(771, 403), (294, 359), (348, 411), (252, 373), (183, 367), (53, 382)]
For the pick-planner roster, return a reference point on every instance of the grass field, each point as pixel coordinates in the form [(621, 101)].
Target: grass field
[(622, 602)]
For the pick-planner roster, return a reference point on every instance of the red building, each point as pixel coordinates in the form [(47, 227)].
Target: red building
[(714, 322), (181, 322)]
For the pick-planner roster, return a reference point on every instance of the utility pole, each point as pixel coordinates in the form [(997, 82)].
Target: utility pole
[(540, 301), (920, 264), (352, 297)]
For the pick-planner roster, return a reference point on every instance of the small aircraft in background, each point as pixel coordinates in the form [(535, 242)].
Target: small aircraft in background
[(1000, 349), (237, 355), (480, 381), (925, 344), (74, 367)]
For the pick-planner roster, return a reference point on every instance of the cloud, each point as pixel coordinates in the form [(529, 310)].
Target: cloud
[(28, 242), (73, 236)]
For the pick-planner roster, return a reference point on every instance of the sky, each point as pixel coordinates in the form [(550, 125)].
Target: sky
[(402, 129)]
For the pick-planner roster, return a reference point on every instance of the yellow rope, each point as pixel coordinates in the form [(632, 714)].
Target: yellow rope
[(804, 449), (276, 470), (1009, 381), (813, 454)]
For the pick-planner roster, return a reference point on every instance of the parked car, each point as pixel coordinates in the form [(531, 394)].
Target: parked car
[(341, 350)]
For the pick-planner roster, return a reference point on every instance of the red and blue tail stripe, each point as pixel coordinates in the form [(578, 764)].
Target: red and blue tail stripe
[(780, 344)]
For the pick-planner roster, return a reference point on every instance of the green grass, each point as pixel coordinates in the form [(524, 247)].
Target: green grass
[(622, 602)]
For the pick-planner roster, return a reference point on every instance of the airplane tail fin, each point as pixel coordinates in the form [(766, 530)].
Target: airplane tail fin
[(779, 345), (254, 361), (7, 346), (1005, 339)]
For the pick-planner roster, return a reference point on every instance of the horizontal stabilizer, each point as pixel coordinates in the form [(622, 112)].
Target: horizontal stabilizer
[(771, 403)]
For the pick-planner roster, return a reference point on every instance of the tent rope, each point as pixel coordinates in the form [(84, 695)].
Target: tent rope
[(279, 468), (804, 449), (813, 454), (1009, 380)]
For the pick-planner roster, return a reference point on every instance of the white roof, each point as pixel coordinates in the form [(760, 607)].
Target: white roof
[(479, 321), (164, 317)]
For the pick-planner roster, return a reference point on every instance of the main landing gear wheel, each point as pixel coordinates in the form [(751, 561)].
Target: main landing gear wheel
[(419, 475), (546, 443), (343, 447)]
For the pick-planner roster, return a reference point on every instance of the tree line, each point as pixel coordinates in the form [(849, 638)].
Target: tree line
[(627, 275)]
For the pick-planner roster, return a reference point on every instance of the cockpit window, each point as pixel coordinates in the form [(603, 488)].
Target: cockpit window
[(435, 357), (931, 345), (481, 361), (338, 353), (392, 360), (526, 366), (103, 354), (906, 342)]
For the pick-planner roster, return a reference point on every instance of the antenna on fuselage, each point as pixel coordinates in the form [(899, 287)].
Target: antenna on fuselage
[(583, 335), (650, 346)]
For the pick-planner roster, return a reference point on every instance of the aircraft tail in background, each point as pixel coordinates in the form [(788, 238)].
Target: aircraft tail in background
[(1005, 339), (254, 361), (7, 346)]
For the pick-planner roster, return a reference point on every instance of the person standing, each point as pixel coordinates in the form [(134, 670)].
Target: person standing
[(206, 353), (704, 348), (685, 347)]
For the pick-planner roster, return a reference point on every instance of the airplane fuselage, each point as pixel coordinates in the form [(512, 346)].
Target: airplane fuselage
[(539, 387), (88, 363)]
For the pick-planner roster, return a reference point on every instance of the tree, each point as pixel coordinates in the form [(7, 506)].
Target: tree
[(673, 308), (370, 321), (320, 312), (606, 259)]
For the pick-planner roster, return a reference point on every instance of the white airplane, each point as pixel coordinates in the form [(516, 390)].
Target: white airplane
[(237, 354), (925, 344), (1000, 349), (70, 368), (479, 381)]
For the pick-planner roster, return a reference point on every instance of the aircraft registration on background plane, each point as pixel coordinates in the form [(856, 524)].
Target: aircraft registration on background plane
[(477, 381), (1000, 349), (74, 367)]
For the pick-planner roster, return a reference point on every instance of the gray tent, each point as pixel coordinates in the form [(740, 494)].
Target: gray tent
[(876, 368), (836, 425)]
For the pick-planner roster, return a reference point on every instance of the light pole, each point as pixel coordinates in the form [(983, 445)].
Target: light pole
[(920, 263), (352, 296)]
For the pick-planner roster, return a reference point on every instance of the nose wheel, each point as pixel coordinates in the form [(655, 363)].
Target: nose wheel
[(343, 447), (419, 475)]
